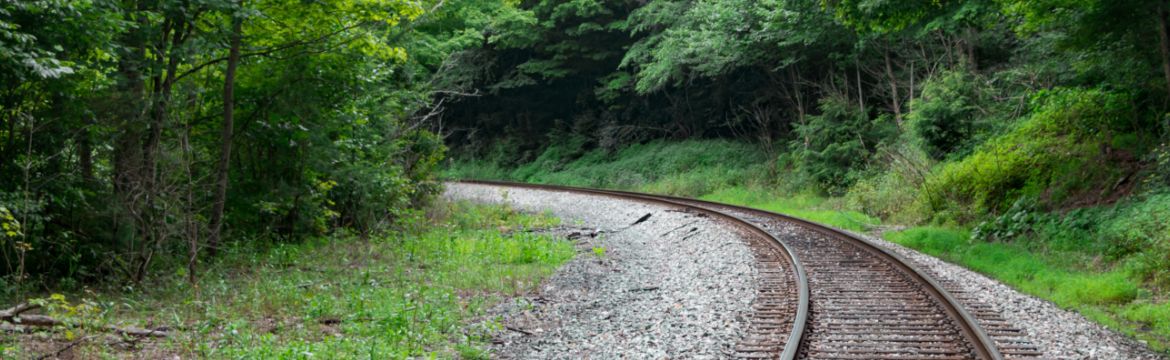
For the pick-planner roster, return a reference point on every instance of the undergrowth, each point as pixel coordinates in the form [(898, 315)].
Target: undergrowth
[(687, 168), (802, 205), (1071, 279), (409, 294)]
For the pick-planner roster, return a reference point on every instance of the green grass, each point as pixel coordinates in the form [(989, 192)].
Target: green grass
[(715, 170), (802, 205), (412, 294), (688, 168), (1110, 295)]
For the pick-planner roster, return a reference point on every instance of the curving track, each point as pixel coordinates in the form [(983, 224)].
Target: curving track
[(826, 294)]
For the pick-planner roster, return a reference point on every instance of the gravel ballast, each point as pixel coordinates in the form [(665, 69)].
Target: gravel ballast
[(661, 291), (1062, 334), (674, 285)]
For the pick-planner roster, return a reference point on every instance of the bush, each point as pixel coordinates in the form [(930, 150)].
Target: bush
[(945, 118), (1141, 230), (841, 140), (1053, 154), (692, 168), (891, 194)]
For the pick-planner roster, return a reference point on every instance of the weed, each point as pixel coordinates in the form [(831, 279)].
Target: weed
[(1111, 296), (404, 295), (803, 205), (689, 168)]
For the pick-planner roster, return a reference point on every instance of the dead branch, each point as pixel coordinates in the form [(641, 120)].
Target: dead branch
[(62, 350), (522, 331), (13, 315), (12, 312)]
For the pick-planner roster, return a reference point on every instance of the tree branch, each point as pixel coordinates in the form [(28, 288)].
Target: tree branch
[(269, 51)]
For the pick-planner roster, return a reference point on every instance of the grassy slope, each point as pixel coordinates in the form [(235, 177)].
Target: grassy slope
[(716, 170), (1062, 266), (399, 296), (1106, 294)]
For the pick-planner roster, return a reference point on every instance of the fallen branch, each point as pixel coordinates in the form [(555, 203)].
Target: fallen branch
[(522, 331), (10, 313), (9, 328), (680, 227), (13, 315), (62, 350)]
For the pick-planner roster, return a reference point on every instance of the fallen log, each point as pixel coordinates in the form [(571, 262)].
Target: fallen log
[(13, 315), (12, 312)]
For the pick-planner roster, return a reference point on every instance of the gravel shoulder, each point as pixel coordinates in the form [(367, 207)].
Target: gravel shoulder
[(1062, 334), (680, 286), (675, 285)]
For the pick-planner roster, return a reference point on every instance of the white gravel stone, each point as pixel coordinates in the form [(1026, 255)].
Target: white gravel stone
[(1061, 333), (674, 286), (663, 296)]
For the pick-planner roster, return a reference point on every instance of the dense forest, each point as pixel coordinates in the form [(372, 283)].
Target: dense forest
[(928, 112), (144, 138), (837, 90), (135, 131)]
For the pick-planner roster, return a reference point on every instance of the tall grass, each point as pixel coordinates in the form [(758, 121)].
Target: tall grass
[(688, 168), (405, 295), (801, 204), (1111, 295)]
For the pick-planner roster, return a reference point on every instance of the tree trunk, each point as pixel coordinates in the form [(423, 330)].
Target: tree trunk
[(1164, 34), (85, 152), (895, 100), (971, 39), (127, 152), (860, 92), (225, 149), (910, 100)]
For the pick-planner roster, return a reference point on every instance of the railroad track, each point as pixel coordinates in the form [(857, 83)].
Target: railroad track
[(826, 294)]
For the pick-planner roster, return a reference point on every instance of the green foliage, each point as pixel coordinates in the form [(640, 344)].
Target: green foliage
[(1141, 231), (840, 141), (44, 40), (407, 294), (1158, 176), (111, 134), (690, 168), (1048, 277), (947, 115), (891, 16), (1054, 153), (701, 36), (802, 205), (9, 227), (890, 195), (1067, 277)]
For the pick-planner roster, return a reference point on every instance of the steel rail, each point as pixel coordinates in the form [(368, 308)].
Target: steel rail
[(982, 343), (792, 344)]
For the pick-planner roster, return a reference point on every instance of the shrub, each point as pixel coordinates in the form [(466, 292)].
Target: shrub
[(891, 194), (1141, 231), (692, 167), (1054, 153), (840, 141), (945, 118)]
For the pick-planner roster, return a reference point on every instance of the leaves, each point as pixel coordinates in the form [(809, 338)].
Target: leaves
[(9, 227)]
